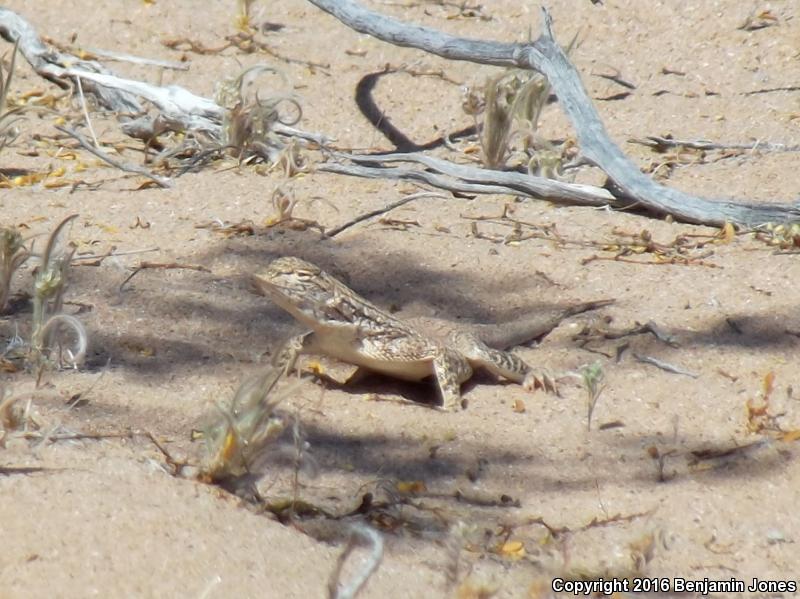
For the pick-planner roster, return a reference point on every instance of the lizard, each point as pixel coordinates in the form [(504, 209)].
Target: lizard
[(347, 327)]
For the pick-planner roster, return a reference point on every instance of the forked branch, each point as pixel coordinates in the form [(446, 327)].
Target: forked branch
[(630, 185)]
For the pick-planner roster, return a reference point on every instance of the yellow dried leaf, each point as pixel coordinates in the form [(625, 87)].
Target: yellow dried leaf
[(728, 233), (26, 180), (519, 406), (512, 550), (55, 184), (790, 436), (7, 366), (31, 94), (475, 589), (410, 487), (702, 466), (145, 185), (768, 384), (60, 121), (754, 410), (59, 172), (230, 447), (315, 367)]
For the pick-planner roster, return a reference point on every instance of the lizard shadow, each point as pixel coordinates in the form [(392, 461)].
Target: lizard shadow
[(422, 393), (241, 319)]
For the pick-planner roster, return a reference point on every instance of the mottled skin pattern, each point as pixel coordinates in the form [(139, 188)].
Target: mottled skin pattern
[(349, 328)]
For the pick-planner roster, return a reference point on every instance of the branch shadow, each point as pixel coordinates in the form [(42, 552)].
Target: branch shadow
[(378, 118)]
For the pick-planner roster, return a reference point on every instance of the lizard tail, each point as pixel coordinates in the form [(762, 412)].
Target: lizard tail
[(530, 328)]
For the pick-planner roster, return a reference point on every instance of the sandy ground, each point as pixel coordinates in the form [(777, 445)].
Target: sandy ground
[(503, 496)]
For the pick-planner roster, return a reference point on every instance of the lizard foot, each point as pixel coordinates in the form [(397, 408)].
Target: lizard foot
[(544, 381)]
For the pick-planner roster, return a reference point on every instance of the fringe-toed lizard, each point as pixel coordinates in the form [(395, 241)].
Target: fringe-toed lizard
[(347, 327)]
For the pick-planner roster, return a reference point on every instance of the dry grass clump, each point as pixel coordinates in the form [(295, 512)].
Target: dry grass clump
[(8, 117), (249, 120), (13, 254), (238, 436), (49, 325)]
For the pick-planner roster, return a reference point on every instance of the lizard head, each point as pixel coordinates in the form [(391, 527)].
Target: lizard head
[(297, 286)]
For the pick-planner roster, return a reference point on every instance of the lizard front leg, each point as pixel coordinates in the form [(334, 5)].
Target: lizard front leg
[(290, 350), (450, 369)]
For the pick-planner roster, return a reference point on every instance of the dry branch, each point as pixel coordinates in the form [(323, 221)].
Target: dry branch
[(373, 213), (451, 176), (179, 108), (546, 56), (123, 166), (51, 64)]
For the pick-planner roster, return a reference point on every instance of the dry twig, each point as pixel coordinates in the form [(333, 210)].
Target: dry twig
[(123, 166)]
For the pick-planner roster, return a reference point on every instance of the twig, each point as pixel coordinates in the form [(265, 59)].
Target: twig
[(86, 112), (161, 265), (409, 198), (12, 470), (360, 534), (662, 143), (156, 62), (123, 166), (639, 329), (130, 434), (664, 365), (97, 259), (177, 465), (669, 261), (769, 90)]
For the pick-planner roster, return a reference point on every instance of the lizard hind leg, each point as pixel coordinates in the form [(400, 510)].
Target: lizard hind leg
[(502, 363), (450, 369)]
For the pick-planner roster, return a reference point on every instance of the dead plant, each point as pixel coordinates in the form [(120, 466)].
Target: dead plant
[(8, 132), (248, 122), (15, 415), (511, 104), (13, 254), (49, 323), (238, 436)]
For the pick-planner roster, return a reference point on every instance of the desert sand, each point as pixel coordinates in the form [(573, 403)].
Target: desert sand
[(674, 479)]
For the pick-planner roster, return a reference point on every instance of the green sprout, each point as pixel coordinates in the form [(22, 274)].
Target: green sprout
[(593, 376)]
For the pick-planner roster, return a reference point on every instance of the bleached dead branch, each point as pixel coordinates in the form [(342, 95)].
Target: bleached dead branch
[(630, 185)]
